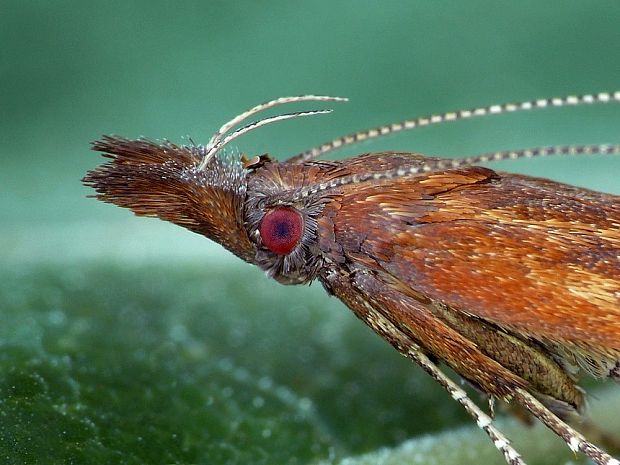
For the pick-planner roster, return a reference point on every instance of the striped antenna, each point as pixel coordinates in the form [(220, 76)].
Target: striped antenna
[(219, 139), (453, 163), (572, 100), (575, 440), (484, 422)]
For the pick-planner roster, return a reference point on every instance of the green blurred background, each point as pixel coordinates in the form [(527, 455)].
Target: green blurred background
[(127, 340)]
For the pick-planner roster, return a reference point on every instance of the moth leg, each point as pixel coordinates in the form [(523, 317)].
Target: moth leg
[(614, 373), (483, 421), (575, 440), (491, 401)]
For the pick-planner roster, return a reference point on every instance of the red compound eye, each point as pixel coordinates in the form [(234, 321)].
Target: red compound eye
[(281, 229)]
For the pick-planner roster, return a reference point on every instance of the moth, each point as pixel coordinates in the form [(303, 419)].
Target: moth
[(512, 281)]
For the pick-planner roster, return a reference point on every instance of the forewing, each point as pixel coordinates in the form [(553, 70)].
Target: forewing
[(538, 258)]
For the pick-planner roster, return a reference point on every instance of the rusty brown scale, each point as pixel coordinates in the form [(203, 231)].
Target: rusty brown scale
[(512, 281)]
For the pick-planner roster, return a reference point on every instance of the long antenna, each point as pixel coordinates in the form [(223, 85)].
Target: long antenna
[(571, 100), (454, 163), (211, 151), (219, 139)]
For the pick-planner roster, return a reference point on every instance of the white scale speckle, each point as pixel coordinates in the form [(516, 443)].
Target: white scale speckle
[(500, 443), (574, 443), (483, 421), (513, 455)]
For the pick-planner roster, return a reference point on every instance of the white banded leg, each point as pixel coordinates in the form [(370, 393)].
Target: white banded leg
[(483, 421), (575, 440)]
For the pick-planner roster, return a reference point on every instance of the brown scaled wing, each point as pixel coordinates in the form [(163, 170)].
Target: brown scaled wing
[(536, 258)]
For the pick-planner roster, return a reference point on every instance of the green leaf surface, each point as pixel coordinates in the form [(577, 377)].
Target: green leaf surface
[(182, 363)]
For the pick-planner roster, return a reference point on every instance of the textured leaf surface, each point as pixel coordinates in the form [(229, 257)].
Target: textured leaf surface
[(166, 362)]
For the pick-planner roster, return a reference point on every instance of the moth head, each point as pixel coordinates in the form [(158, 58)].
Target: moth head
[(162, 180), (283, 227), (201, 189), (245, 205)]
